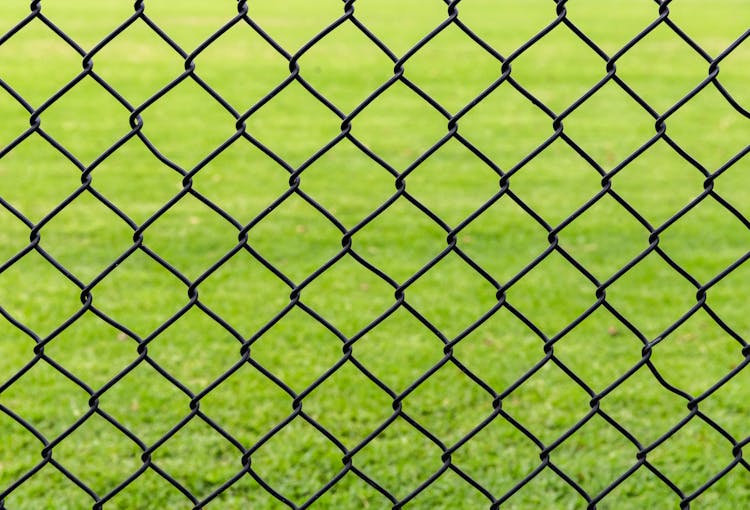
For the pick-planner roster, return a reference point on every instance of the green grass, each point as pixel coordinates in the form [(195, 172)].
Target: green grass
[(187, 124)]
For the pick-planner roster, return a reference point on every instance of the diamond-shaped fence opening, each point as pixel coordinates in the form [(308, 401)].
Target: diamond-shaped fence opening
[(381, 17), (607, 28), (16, 349), (640, 487), (92, 350), (449, 417), (450, 171), (480, 350), (667, 84), (130, 276), (732, 73), (46, 383), (146, 403), (397, 454), (362, 183), (450, 483), (702, 263), (398, 126), (25, 167), (530, 492), (477, 67), (451, 279), (37, 63), (14, 236), (728, 186), (380, 353), (318, 350), (87, 120), (44, 301), (306, 126), (645, 415), (224, 58), (86, 224), (48, 485), (73, 454), (609, 455), (493, 124), (198, 458), (246, 388), (724, 292), (544, 67), (666, 288), (365, 407), (185, 225), (196, 335), (564, 405), (693, 437), (139, 190), (725, 408), (311, 461), (244, 294), (401, 224), (536, 180), (187, 142), (325, 66), (682, 356), (486, 254), (316, 240), (15, 118), (121, 62), (540, 290), (708, 117), (604, 237), (497, 438), (636, 183), (493, 238), (628, 125), (360, 297), (702, 29)]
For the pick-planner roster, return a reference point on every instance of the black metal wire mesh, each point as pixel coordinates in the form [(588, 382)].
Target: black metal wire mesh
[(495, 497)]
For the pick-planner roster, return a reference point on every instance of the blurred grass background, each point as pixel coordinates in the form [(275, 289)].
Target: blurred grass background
[(187, 124)]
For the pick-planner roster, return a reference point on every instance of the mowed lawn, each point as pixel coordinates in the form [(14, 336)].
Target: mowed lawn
[(397, 319)]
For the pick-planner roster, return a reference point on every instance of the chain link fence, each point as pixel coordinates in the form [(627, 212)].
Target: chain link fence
[(320, 388)]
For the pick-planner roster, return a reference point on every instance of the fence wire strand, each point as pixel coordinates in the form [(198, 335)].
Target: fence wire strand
[(296, 287)]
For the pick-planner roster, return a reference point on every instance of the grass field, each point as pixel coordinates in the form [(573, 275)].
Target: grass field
[(187, 124)]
